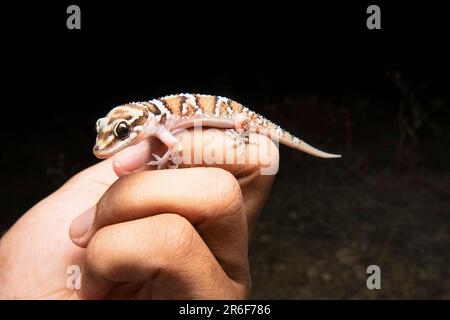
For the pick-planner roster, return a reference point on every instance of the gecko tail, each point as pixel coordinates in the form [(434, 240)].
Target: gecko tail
[(272, 130), (303, 146)]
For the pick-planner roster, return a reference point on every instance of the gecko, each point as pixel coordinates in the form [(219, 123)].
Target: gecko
[(131, 123)]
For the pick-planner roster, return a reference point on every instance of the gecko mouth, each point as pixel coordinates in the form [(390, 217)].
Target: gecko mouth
[(107, 152)]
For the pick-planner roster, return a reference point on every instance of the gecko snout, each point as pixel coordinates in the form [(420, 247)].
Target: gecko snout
[(98, 153)]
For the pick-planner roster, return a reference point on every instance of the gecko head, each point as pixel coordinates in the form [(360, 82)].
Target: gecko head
[(123, 126)]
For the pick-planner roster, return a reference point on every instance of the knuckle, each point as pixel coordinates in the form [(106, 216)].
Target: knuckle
[(180, 236)]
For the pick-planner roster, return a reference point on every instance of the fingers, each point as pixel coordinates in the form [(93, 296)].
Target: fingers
[(254, 169), (155, 257), (209, 198)]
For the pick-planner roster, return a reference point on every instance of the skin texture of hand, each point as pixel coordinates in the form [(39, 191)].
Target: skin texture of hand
[(149, 234)]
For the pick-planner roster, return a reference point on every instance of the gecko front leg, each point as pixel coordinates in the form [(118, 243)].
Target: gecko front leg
[(172, 154)]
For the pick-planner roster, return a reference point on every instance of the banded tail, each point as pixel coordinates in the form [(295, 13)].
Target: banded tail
[(291, 141), (263, 124)]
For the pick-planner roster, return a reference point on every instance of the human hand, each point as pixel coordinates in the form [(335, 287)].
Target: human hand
[(179, 234)]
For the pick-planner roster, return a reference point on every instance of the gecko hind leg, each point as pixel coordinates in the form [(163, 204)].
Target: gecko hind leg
[(240, 137), (241, 132)]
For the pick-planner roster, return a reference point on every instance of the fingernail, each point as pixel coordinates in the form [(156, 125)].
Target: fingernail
[(132, 158), (81, 224)]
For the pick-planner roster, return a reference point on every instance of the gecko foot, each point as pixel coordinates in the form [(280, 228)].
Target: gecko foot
[(240, 139), (171, 156), (160, 162)]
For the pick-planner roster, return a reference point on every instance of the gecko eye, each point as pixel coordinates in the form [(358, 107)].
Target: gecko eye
[(121, 130)]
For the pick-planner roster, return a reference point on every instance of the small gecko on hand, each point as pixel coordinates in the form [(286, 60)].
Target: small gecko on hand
[(132, 123)]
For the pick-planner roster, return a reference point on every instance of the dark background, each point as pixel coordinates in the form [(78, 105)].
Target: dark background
[(379, 97)]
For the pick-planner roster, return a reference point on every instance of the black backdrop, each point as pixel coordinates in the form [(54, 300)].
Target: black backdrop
[(131, 49)]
